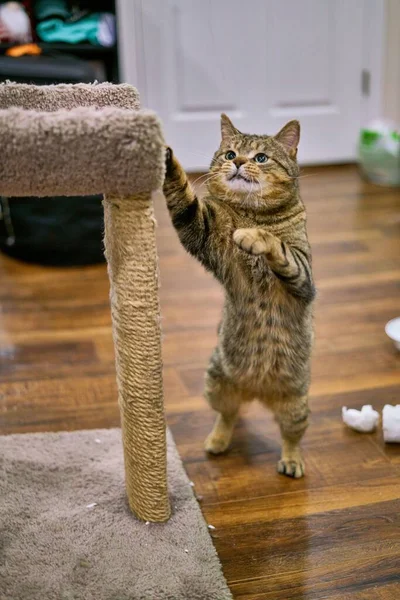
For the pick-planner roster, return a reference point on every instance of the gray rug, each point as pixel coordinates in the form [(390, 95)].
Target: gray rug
[(66, 532)]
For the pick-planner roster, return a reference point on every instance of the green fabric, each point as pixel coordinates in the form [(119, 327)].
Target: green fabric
[(84, 30)]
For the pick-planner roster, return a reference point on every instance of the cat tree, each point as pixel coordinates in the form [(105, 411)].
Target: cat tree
[(72, 140)]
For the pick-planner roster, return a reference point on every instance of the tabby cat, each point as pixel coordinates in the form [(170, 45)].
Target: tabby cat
[(250, 232)]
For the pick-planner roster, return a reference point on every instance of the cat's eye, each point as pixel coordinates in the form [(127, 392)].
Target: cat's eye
[(230, 155), (261, 157)]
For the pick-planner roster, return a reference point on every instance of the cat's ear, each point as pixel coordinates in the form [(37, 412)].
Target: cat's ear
[(289, 137), (228, 130)]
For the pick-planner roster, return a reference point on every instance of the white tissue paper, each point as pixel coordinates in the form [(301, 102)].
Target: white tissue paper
[(391, 423), (363, 420)]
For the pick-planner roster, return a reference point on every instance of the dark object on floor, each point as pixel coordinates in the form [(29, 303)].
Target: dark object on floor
[(67, 531), (67, 232), (53, 231), (42, 70)]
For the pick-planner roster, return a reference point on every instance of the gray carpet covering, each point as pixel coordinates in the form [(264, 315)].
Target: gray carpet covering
[(66, 532)]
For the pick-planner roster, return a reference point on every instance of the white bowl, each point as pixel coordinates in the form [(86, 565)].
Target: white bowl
[(392, 329)]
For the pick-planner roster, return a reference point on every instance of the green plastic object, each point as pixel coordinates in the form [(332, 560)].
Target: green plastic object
[(379, 153)]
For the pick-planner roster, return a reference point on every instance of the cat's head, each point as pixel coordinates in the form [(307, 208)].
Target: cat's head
[(255, 168)]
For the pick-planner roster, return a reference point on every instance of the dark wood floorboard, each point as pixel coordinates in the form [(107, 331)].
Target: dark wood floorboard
[(334, 534)]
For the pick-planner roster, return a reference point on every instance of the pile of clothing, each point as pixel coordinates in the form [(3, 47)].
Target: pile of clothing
[(55, 21), (15, 24)]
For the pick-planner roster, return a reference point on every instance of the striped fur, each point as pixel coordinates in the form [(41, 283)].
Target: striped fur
[(250, 232)]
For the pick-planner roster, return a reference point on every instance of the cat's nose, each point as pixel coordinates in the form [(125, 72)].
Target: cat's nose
[(239, 161)]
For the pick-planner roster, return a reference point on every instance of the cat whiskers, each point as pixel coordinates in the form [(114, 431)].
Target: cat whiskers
[(200, 177), (208, 178), (301, 176)]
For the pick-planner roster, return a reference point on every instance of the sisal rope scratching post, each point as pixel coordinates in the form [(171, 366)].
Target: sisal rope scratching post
[(135, 311), (93, 148)]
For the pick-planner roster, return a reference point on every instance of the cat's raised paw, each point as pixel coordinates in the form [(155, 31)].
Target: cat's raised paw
[(250, 241), (169, 160), (291, 467)]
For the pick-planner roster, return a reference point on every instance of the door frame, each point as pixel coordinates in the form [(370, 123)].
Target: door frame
[(374, 28), (391, 98), (130, 45)]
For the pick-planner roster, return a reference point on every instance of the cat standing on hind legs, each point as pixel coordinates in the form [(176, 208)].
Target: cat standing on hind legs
[(250, 232)]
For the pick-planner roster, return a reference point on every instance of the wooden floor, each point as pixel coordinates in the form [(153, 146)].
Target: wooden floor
[(333, 535)]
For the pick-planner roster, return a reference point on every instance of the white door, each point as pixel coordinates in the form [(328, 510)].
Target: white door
[(262, 62)]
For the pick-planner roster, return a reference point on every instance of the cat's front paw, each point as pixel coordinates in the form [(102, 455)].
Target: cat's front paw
[(254, 241), (169, 161)]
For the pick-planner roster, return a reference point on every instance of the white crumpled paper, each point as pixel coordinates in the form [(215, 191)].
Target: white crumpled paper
[(391, 423), (364, 420)]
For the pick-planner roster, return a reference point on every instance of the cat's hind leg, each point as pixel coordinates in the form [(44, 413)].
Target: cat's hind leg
[(225, 398), (292, 415)]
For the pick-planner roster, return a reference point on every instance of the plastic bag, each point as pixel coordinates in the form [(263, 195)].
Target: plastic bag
[(379, 153)]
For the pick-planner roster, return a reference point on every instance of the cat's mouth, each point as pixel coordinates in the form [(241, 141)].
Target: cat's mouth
[(238, 177), (242, 184)]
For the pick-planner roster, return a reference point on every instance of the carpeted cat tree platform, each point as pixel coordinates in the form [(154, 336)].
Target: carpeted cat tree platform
[(71, 140)]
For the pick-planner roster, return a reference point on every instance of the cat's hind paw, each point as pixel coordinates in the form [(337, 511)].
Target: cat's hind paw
[(216, 444), (291, 467)]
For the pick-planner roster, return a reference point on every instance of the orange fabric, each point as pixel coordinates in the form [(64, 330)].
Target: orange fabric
[(32, 49)]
